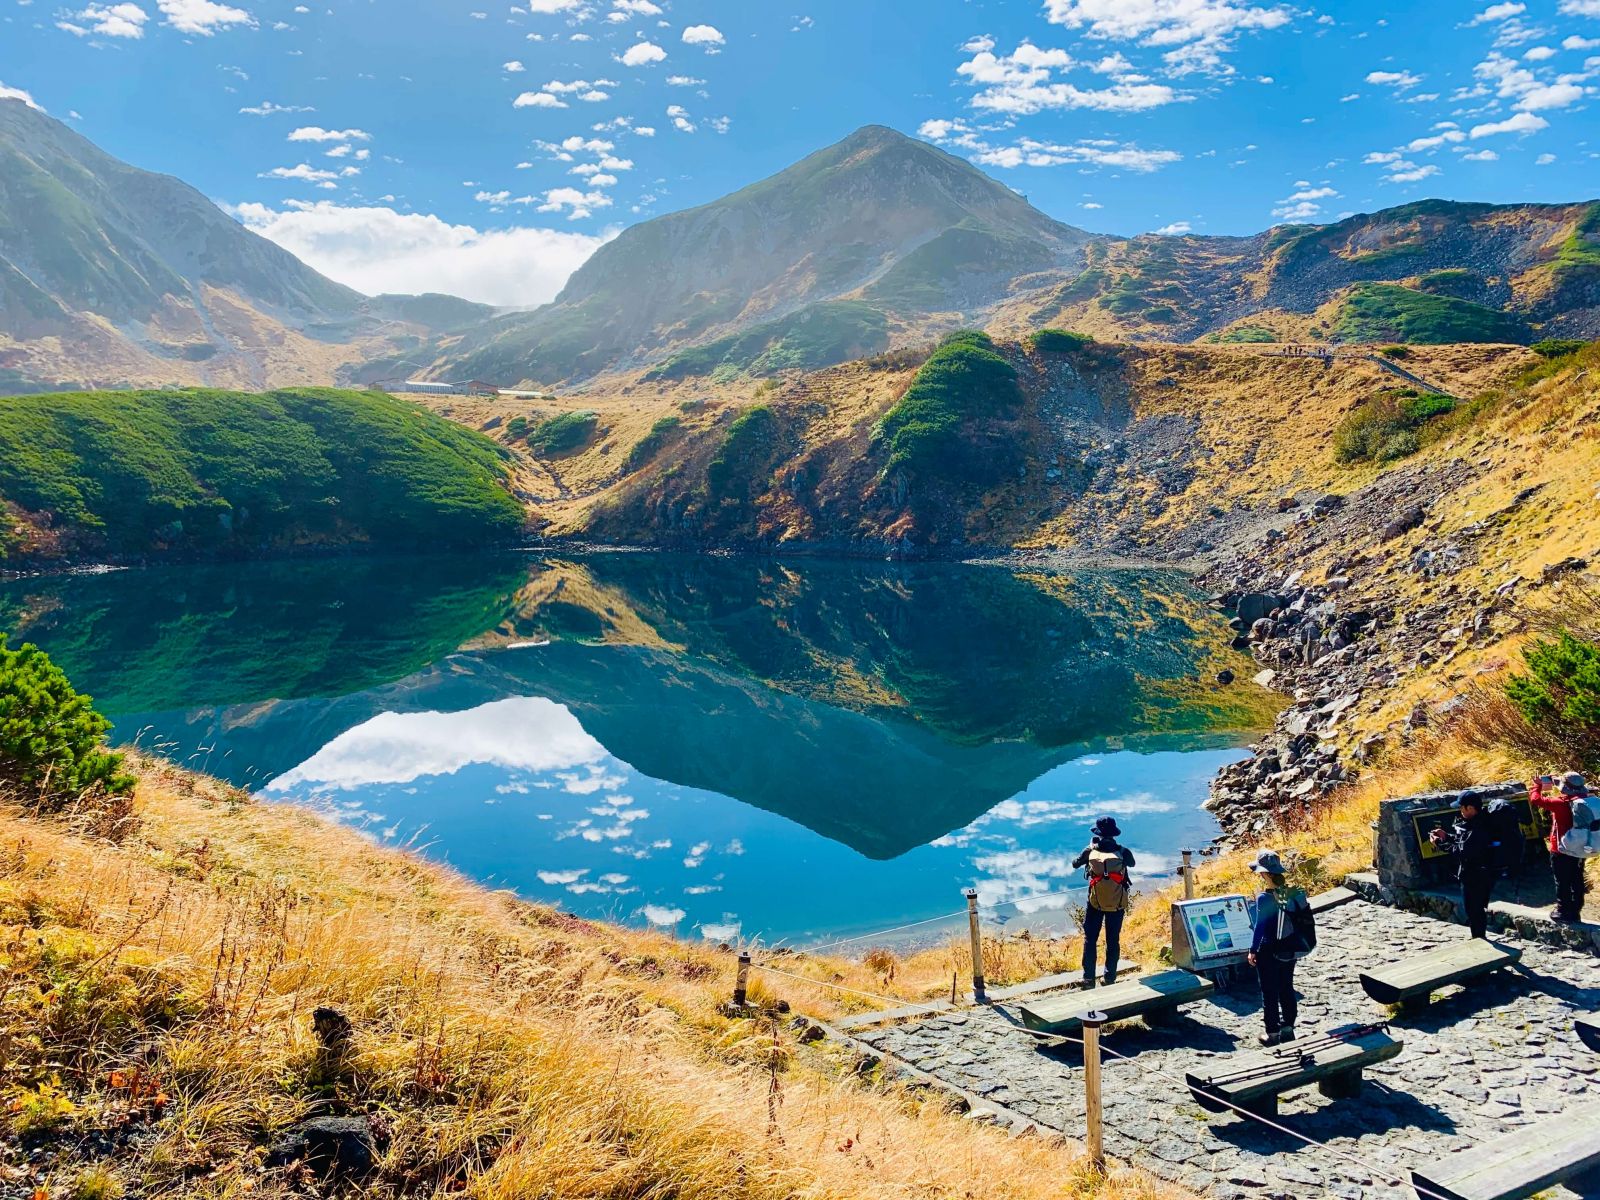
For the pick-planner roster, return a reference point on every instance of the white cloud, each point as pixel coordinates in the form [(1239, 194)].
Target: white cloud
[(1550, 95), (642, 54), (1201, 30), (114, 20), (1395, 79), (1480, 156), (538, 100), (1406, 172), (380, 250), (683, 81), (1023, 82), (1175, 229), (1539, 53), (1029, 152), (1498, 12), (1544, 160), (1574, 42), (658, 914), (1579, 8), (202, 16), (703, 35), (15, 93), (267, 108), (315, 133), (514, 67), (578, 204), (548, 7), (301, 171), (1523, 122), (1434, 141)]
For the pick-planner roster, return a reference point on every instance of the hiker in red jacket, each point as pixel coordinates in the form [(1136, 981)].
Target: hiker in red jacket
[(1567, 869)]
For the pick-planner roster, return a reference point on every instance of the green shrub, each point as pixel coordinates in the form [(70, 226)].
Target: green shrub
[(1451, 281), (1058, 341), (52, 741), (517, 427), (1244, 333), (1395, 351), (1557, 347), (1560, 694), (742, 467), (1161, 314), (647, 447), (564, 432), (1389, 426), (962, 381), (1386, 312)]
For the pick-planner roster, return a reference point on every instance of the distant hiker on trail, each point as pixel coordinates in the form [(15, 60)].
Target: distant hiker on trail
[(1107, 861), (1568, 844), (1476, 844), (1284, 933)]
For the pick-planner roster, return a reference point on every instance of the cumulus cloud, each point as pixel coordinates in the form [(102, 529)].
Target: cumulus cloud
[(1304, 204), (658, 914), (1200, 31), (315, 133), (625, 9), (1498, 12), (267, 108), (1394, 79), (577, 204), (1175, 229), (1030, 152), (703, 35), (1579, 8), (538, 100), (202, 17), (374, 249), (16, 93), (114, 20), (1024, 82), (641, 54), (513, 67), (1522, 122), (301, 171)]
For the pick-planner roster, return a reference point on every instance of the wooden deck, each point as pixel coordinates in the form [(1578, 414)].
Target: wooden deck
[(1254, 1080), (1411, 981), (1519, 1164), (1156, 996)]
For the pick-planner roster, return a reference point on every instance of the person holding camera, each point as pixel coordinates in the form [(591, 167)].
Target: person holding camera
[(1473, 841), (1107, 861), (1567, 868)]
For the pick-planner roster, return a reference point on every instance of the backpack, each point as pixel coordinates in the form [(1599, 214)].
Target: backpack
[(1509, 843), (1297, 926), (1108, 881), (1583, 839)]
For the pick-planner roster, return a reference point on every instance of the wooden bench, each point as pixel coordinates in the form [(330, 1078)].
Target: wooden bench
[(1519, 1164), (1411, 982), (1588, 1029), (1154, 998), (1254, 1080), (1332, 898)]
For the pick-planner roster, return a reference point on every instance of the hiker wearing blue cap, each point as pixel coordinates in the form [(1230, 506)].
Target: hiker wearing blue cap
[(1283, 935), (1107, 861)]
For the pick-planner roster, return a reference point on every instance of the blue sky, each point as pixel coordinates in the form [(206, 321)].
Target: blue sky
[(486, 148)]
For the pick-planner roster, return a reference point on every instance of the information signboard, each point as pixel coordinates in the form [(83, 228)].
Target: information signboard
[(1214, 931), (1425, 821)]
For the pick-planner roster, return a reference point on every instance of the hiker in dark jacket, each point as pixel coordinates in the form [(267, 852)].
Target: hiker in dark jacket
[(1274, 966), (1473, 841), (1110, 892)]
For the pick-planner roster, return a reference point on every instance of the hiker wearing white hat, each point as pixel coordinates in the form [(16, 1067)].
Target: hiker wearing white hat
[(1567, 868)]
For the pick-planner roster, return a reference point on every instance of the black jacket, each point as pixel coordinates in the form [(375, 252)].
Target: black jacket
[(1110, 845), (1474, 845)]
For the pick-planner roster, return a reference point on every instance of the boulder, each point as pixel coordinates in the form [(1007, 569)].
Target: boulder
[(330, 1147), (1407, 520), (1252, 606)]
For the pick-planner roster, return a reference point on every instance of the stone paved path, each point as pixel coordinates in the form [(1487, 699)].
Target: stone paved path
[(1493, 1056)]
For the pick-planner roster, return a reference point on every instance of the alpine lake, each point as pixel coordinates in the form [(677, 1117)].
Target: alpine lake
[(794, 751)]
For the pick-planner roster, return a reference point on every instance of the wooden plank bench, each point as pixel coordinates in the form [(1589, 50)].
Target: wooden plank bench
[(1154, 998), (1412, 981), (1519, 1164), (1332, 898), (1588, 1029), (1254, 1080)]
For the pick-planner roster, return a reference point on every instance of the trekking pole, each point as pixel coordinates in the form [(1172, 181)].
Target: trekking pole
[(1091, 1089), (977, 947), (1188, 874)]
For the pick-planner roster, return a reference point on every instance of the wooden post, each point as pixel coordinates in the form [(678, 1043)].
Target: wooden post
[(1091, 1088), (1188, 874), (978, 995), (741, 984)]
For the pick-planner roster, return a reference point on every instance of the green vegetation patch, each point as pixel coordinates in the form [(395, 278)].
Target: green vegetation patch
[(1557, 347), (1452, 281), (1389, 426), (1244, 333), (926, 278), (564, 432), (964, 381), (819, 335), (52, 741), (646, 448), (198, 469), (742, 468), (1559, 696), (1058, 341), (1579, 255), (1386, 254), (1386, 312)]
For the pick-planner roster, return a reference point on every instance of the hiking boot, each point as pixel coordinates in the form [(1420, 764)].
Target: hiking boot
[(1109, 979), (1088, 982), (1269, 1039), (1286, 1034)]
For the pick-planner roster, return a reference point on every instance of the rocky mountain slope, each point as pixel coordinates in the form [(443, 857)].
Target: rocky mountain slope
[(113, 275), (913, 231)]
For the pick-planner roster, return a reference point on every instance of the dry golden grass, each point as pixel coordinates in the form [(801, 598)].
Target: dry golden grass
[(157, 994)]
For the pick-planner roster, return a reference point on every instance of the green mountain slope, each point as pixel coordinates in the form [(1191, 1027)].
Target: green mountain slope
[(125, 474)]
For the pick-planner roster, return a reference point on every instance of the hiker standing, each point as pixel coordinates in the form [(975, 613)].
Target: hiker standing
[(1273, 948), (1107, 861), (1476, 845), (1567, 868)]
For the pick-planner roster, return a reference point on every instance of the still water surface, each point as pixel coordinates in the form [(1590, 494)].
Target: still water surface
[(729, 747)]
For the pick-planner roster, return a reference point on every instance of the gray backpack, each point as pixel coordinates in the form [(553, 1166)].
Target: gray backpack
[(1583, 839)]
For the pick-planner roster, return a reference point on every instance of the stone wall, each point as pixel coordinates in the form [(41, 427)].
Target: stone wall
[(1402, 861)]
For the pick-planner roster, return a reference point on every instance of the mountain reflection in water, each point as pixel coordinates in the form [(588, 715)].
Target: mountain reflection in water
[(788, 749)]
